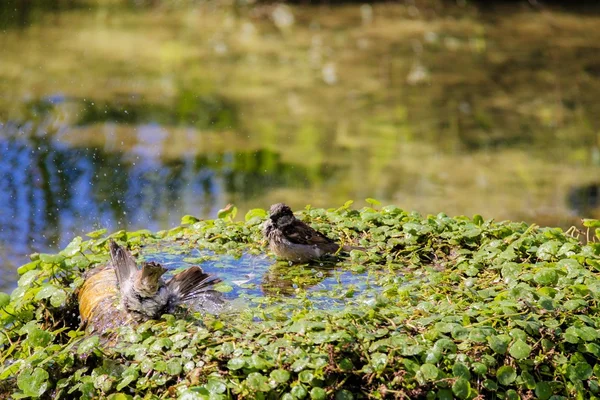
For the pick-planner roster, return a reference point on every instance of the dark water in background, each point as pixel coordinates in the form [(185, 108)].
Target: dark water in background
[(126, 117)]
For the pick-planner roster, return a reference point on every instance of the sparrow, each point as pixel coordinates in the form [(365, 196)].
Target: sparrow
[(293, 240), (147, 295)]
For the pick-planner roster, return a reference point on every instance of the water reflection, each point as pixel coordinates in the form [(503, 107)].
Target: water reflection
[(50, 192)]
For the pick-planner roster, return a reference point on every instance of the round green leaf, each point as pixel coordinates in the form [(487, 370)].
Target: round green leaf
[(519, 349), (258, 382), (479, 368), (499, 343), (72, 248), (188, 220), (280, 375), (39, 337), (88, 345), (258, 362), (174, 367), (490, 385), (579, 371), (433, 356), (461, 370), (528, 380), (343, 395), (255, 213), (379, 361), (96, 234), (299, 392), (51, 258), (548, 250), (546, 277), (430, 372), (27, 279), (461, 388), (33, 383), (346, 364), (506, 375), (4, 299), (318, 393), (236, 363), (306, 376), (215, 386), (543, 390), (445, 394)]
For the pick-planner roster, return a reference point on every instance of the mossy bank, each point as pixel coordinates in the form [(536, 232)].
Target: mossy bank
[(439, 307)]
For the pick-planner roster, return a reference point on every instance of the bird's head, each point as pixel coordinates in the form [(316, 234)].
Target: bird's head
[(278, 211), (148, 280)]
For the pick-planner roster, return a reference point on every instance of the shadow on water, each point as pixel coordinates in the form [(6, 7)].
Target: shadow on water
[(585, 200), (188, 109)]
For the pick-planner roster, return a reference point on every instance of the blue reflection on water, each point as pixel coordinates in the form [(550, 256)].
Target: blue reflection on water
[(50, 192)]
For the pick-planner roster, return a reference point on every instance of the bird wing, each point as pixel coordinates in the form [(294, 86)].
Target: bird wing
[(300, 233), (190, 283), (123, 262)]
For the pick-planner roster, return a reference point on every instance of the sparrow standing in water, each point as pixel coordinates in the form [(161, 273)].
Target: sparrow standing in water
[(293, 240)]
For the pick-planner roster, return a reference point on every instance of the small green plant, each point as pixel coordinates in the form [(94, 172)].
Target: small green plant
[(440, 308)]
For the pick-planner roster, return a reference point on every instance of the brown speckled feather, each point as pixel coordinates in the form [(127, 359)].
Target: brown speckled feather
[(190, 283), (300, 233)]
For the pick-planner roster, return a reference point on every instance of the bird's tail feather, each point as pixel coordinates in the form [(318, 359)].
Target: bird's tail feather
[(190, 283), (122, 261)]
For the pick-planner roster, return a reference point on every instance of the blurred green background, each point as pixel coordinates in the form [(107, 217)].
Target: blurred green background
[(131, 114)]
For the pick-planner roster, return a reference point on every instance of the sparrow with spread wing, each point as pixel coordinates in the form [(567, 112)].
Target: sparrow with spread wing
[(293, 240), (143, 291), (120, 293)]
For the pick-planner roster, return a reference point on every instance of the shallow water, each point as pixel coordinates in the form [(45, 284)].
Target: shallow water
[(125, 117), (252, 276)]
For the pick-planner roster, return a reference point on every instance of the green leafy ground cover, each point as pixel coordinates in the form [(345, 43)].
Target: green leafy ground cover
[(438, 307)]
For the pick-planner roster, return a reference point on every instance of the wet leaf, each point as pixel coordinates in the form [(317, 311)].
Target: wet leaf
[(189, 220), (318, 393), (236, 363), (96, 234), (34, 382), (506, 375), (215, 386), (258, 382), (546, 276), (342, 395), (256, 213), (229, 212), (72, 248), (461, 388), (280, 375), (4, 299), (430, 372), (579, 371), (28, 267), (88, 345), (499, 343), (543, 390), (519, 349)]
